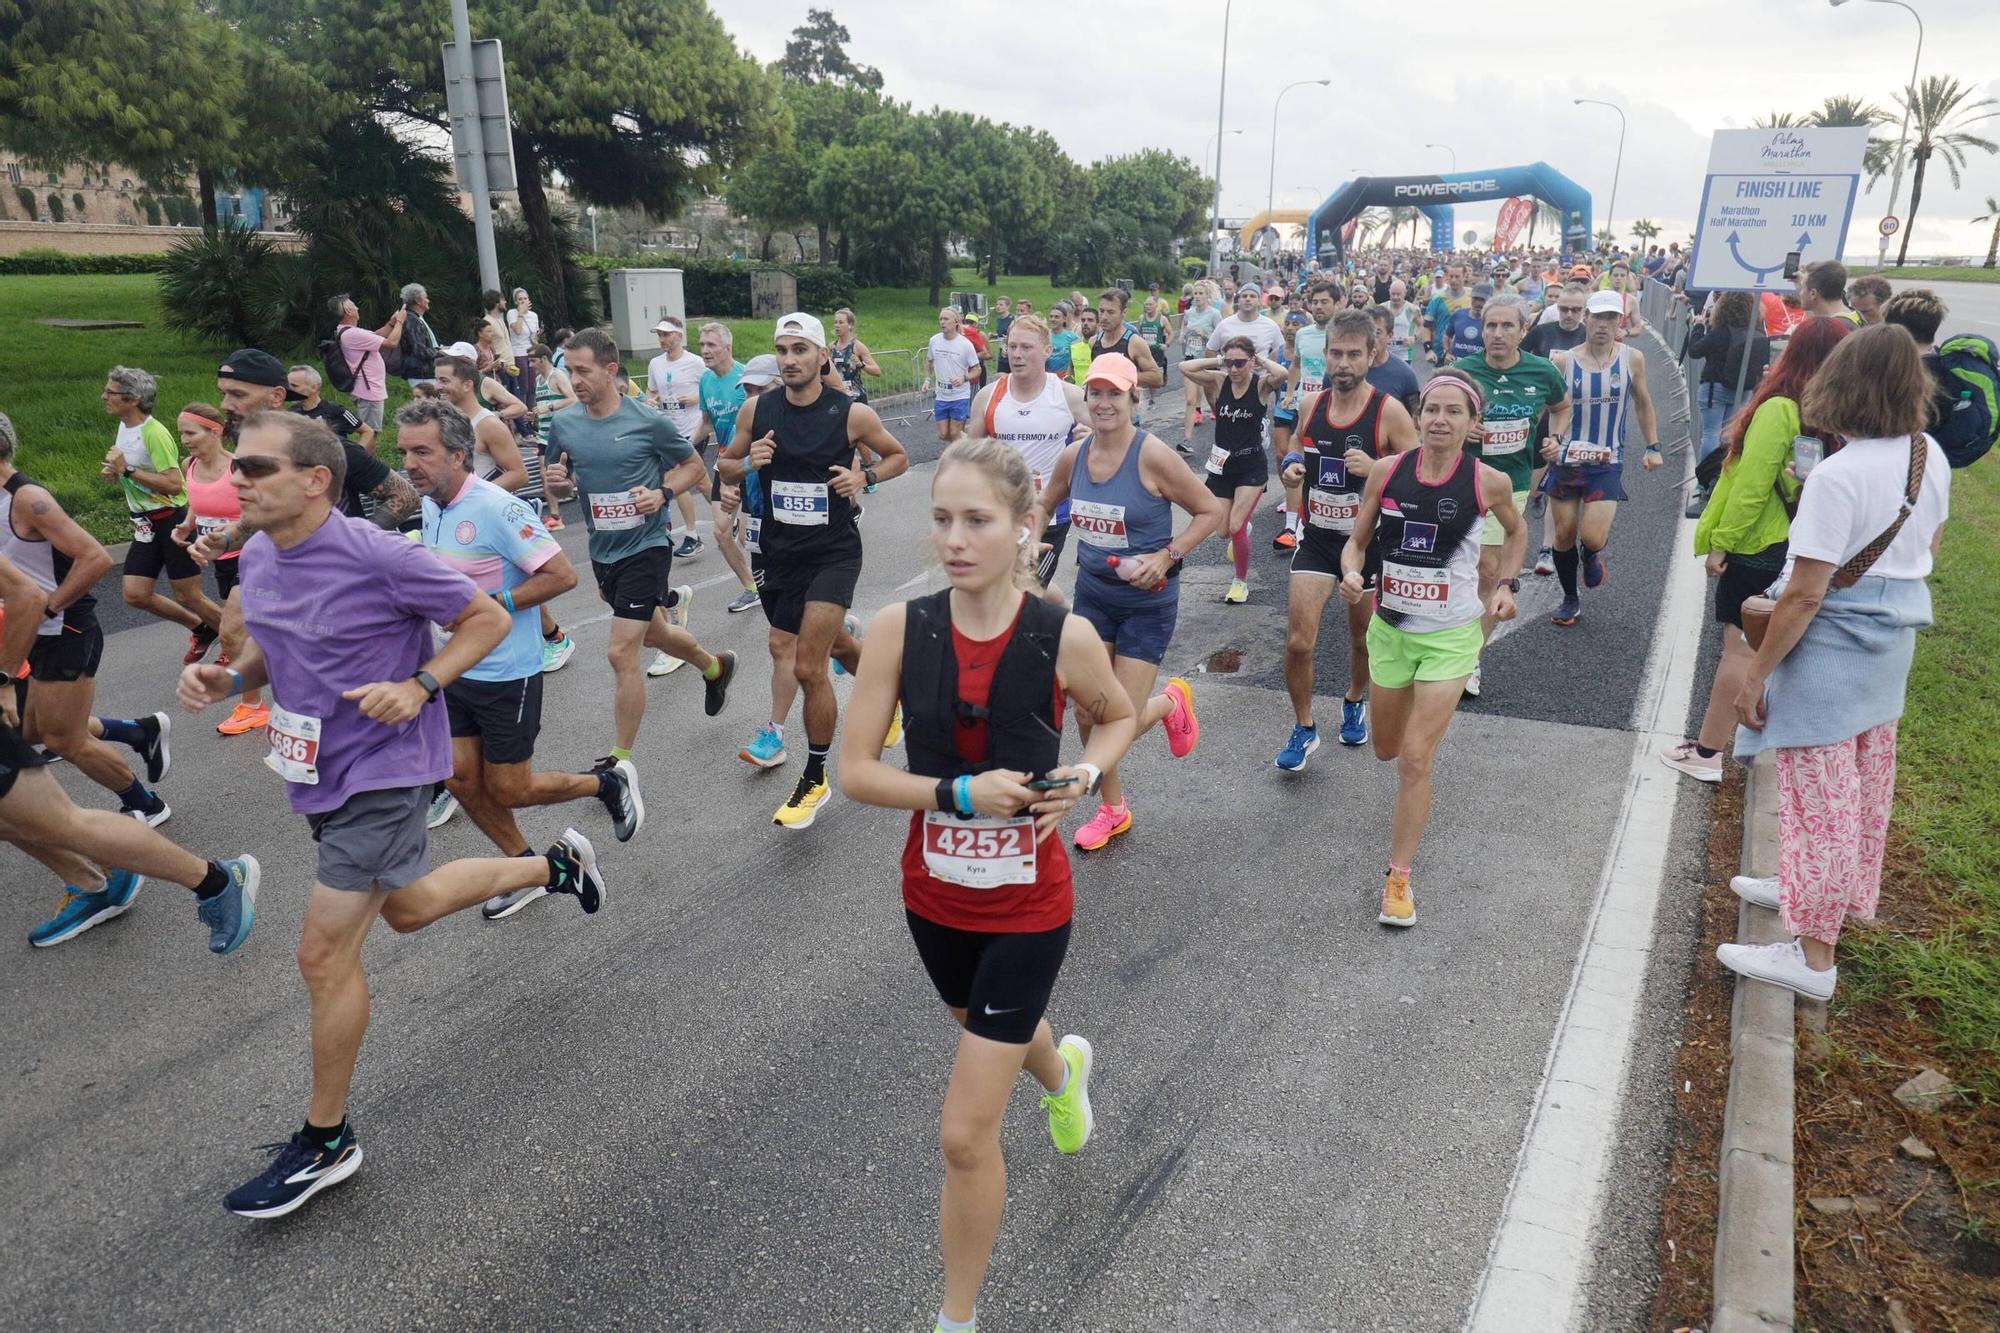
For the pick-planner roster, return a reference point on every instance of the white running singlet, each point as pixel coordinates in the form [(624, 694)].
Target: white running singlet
[(1037, 428)]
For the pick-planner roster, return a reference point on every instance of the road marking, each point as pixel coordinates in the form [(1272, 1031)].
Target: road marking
[(1542, 1250)]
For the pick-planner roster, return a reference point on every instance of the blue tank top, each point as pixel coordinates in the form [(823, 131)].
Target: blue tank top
[(1118, 517), (1598, 400)]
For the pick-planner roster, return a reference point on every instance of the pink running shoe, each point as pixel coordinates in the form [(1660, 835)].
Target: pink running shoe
[(1182, 729), (1106, 824)]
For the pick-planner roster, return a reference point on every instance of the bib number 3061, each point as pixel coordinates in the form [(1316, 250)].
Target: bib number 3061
[(979, 853)]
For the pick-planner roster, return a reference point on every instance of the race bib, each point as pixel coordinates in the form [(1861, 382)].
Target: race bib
[(1101, 525), (1584, 453), (294, 752), (1218, 458), (1331, 509), (979, 853), (801, 503), (1505, 435), (204, 526), (1415, 591), (142, 529), (753, 534), (615, 511)]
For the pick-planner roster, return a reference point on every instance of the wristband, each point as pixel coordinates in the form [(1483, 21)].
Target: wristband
[(507, 598), (666, 496), (961, 795), (945, 800), (235, 684), (1294, 457)]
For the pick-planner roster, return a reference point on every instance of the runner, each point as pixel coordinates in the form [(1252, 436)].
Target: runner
[(1391, 374), (1085, 319), (1156, 330), (1464, 330), (1037, 415), (1238, 466), (1584, 483), (340, 616), (852, 359), (1003, 320), (1517, 392), (1061, 339), (1347, 429), (722, 396), (1421, 513), (1308, 377), (673, 386), (986, 882), (741, 503), (213, 507), (950, 365), (1444, 303), (1403, 321), (497, 450), (804, 448), (1126, 484), (1196, 326), (145, 461), (627, 463), (1115, 335), (304, 384), (1559, 329)]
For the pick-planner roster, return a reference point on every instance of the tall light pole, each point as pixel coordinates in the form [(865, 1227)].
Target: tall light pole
[(1271, 189), (1617, 165), (1449, 149), (1221, 90), (1215, 221), (475, 167), (1909, 94)]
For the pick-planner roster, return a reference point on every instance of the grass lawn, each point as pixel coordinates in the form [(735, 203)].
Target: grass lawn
[(1912, 272)]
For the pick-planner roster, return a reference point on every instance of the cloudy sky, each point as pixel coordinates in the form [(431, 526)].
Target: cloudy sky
[(1114, 76)]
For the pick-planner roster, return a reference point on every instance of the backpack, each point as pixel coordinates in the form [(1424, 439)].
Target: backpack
[(339, 375), (1968, 376)]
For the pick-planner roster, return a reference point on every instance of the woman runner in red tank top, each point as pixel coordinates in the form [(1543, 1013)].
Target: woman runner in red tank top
[(981, 671)]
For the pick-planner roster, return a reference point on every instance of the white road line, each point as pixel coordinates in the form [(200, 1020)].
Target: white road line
[(1540, 1258)]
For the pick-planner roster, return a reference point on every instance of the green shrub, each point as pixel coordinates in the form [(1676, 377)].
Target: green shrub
[(216, 288), (45, 260)]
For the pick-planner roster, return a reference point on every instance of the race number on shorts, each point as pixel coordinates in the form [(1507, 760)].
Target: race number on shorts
[(979, 853)]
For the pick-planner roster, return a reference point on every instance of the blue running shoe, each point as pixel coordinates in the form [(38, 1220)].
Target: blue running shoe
[(1593, 566), (1353, 721), (228, 914), (1567, 613), (767, 750), (301, 1168), (852, 624), (1298, 749), (80, 911)]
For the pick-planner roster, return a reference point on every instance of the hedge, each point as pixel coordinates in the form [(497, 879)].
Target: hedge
[(721, 287), (44, 261)]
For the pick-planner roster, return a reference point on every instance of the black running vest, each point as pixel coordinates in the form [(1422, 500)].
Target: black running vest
[(1021, 728)]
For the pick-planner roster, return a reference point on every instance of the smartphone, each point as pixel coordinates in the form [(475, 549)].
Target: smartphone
[(1807, 451), (1050, 784), (1792, 264)]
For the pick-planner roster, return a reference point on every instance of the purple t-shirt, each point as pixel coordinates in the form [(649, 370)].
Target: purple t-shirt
[(348, 606), (363, 350)]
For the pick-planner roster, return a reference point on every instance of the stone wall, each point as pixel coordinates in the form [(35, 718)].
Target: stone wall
[(94, 238)]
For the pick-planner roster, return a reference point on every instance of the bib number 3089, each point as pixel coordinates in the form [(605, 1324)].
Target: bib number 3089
[(979, 853)]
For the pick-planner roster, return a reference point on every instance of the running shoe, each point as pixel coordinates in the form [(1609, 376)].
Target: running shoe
[(1184, 446), (552, 518), (1686, 759), (689, 548), (1286, 540), (243, 719), (1545, 561), (1353, 721), (1239, 592), (1594, 565), (715, 693), (575, 863), (766, 749), (664, 663), (852, 624), (152, 812), (807, 800), (894, 736), (229, 914), (747, 600), (620, 793), (1103, 826), (200, 640), (503, 905), (300, 1167), (79, 911), (1756, 891), (155, 749), (555, 656), (682, 610), (1182, 728), (1472, 684), (1070, 1120), (1298, 749), (443, 806), (1399, 906), (1567, 613), (1782, 964)]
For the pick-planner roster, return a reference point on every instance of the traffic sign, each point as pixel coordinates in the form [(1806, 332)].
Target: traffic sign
[(489, 105), (1771, 193), (1888, 226)]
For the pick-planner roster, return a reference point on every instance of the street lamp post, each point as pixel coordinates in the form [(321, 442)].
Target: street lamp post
[(1221, 90), (1449, 149), (1271, 189), (1215, 220), (1902, 138), (1617, 166)]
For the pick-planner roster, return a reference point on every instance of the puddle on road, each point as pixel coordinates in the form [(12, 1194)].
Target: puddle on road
[(1227, 662)]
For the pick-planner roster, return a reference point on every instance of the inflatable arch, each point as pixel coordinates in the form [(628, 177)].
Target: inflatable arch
[(1435, 195)]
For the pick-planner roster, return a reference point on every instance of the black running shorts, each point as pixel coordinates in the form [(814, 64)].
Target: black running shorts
[(1001, 979)]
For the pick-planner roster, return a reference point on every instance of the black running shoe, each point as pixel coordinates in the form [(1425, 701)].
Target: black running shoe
[(301, 1169), (621, 797), (159, 756), (717, 691), (575, 862)]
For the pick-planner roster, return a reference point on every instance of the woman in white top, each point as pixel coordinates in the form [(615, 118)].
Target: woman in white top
[(1828, 684)]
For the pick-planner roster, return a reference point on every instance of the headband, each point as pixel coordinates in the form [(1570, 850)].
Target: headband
[(1448, 380), (199, 421)]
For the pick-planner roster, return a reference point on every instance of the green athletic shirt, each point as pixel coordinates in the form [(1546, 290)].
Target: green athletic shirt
[(149, 446), (1515, 398)]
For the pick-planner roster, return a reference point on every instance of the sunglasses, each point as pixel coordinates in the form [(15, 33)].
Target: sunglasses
[(255, 465), (1236, 363)]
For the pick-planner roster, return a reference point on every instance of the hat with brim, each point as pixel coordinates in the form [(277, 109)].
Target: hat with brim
[(249, 365), (1113, 368)]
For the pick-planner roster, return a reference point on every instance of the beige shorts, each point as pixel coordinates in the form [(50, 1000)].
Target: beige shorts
[(1495, 535)]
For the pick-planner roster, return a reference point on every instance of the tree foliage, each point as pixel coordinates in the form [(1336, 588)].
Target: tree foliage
[(1942, 113), (817, 53)]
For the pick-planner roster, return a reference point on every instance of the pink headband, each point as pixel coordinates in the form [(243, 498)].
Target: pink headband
[(1447, 379), (199, 422)]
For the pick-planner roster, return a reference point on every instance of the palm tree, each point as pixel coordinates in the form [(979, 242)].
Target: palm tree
[(1402, 214), (1942, 110), (1606, 238), (1645, 229), (1544, 211), (1777, 120), (1992, 214), (1845, 110), (1371, 221)]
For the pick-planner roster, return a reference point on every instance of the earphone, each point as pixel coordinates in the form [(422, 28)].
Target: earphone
[(1026, 534)]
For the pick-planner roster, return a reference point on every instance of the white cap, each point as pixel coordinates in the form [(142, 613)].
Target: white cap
[(1604, 303), (761, 369), (466, 350), (668, 324), (798, 324)]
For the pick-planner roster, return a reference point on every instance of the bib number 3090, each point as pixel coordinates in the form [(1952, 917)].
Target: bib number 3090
[(979, 853), (294, 752)]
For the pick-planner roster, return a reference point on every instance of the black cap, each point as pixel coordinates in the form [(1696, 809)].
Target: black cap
[(252, 366)]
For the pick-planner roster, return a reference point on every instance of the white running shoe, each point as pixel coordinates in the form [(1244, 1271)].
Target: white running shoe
[(1472, 684), (1757, 892), (1781, 965), (1683, 758), (664, 663)]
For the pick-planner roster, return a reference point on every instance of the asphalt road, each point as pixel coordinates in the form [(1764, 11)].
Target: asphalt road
[(713, 1106)]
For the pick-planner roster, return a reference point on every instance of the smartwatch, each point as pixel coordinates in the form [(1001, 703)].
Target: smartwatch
[(868, 475), (1512, 585), (429, 682)]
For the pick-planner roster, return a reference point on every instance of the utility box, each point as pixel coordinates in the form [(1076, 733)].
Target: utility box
[(773, 292), (639, 298)]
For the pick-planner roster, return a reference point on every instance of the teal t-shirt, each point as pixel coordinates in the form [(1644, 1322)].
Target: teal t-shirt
[(721, 395), (1309, 343), (607, 458)]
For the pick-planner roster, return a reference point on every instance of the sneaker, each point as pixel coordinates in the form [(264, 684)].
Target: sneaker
[(1757, 892), (664, 663), (689, 548), (682, 610), (1103, 826), (1780, 964), (300, 1168), (627, 807), (155, 749), (555, 656), (1286, 540), (715, 693), (766, 749), (747, 600), (1567, 613), (200, 640), (229, 914), (1298, 749), (1594, 565), (1545, 561), (1399, 906), (443, 806), (1182, 728), (1184, 446), (1684, 758), (1239, 592), (1353, 721), (503, 905), (807, 800), (1070, 1120), (894, 736), (552, 518), (152, 812), (1472, 683), (852, 624), (575, 862), (244, 719), (79, 911)]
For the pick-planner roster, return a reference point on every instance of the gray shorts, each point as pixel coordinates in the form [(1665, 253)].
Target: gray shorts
[(376, 840), (368, 411)]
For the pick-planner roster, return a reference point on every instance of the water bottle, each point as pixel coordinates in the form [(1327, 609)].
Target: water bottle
[(1127, 570)]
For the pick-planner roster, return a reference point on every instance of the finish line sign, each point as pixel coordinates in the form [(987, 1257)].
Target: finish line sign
[(1769, 194)]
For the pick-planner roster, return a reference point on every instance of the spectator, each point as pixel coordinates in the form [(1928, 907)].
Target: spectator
[(524, 330), (558, 341), (1003, 320), (1743, 530), (1827, 686), (362, 350), (419, 342), (1823, 291), (1919, 312), (1732, 351), (1867, 295), (494, 317), (304, 383)]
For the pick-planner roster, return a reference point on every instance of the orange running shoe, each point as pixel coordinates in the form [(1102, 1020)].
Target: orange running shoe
[(1286, 540), (1399, 907), (244, 718)]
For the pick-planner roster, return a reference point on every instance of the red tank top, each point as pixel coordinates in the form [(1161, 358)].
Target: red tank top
[(1012, 908)]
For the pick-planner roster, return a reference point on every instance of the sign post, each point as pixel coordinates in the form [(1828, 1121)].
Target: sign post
[(1770, 194), (482, 139), (1888, 226)]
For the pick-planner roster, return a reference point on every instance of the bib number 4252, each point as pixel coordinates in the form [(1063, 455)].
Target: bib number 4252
[(979, 853)]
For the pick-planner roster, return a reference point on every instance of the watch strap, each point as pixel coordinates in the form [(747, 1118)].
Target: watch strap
[(429, 682)]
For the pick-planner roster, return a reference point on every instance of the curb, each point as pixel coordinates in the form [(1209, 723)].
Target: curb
[(1754, 1224)]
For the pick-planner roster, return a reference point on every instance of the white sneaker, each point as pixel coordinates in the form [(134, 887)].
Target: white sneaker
[(1780, 964), (664, 663), (1756, 892), (1684, 759), (1472, 684)]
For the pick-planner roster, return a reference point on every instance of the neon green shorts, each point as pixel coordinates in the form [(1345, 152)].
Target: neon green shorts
[(1495, 535), (1396, 656)]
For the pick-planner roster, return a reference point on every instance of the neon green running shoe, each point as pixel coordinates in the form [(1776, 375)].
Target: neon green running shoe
[(1070, 1120)]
